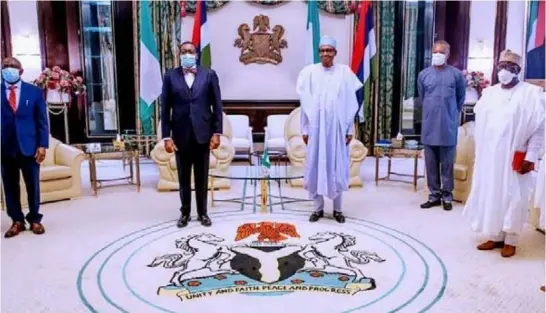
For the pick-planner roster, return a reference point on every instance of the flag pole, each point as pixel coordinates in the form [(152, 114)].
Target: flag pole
[(136, 66)]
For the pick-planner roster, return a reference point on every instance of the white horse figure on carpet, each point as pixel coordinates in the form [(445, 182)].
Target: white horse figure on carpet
[(202, 256), (328, 253)]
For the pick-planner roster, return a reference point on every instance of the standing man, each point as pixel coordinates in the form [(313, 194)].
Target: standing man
[(25, 138), (509, 135), (327, 93), (191, 124), (442, 90)]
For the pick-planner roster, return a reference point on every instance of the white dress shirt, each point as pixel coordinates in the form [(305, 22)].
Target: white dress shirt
[(17, 92), (190, 78)]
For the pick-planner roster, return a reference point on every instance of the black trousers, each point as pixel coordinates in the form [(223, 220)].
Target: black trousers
[(12, 166), (193, 156)]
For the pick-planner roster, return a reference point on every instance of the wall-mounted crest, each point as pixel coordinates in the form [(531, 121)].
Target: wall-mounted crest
[(261, 46)]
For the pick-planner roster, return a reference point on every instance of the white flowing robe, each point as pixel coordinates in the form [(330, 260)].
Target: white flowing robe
[(507, 120), (329, 106), (540, 193)]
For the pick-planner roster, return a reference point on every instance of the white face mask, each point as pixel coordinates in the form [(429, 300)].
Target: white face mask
[(438, 59), (505, 76)]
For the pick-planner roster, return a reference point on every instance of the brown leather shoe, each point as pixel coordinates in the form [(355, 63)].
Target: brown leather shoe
[(15, 229), (508, 251), (490, 245), (37, 228), (542, 289)]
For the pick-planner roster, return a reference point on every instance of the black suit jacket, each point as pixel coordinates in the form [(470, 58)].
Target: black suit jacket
[(184, 108)]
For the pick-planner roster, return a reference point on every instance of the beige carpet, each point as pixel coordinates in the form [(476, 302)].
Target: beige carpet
[(390, 256)]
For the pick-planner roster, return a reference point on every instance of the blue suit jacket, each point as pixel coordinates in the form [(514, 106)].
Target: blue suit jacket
[(184, 108), (29, 121)]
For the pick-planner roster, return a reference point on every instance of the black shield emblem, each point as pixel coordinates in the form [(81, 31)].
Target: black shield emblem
[(267, 264)]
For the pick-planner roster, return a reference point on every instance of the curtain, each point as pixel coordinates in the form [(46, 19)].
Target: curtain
[(411, 14), (386, 69)]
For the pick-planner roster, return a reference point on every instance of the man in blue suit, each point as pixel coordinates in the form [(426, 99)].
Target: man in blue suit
[(25, 138), (191, 124)]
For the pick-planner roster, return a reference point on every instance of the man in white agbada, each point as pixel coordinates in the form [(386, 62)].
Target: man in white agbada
[(327, 93), (509, 124)]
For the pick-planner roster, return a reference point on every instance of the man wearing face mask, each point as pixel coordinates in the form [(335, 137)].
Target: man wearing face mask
[(191, 124), (442, 90), (25, 138), (329, 105), (509, 136)]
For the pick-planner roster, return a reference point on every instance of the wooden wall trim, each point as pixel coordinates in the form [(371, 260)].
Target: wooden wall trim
[(499, 44), (6, 31)]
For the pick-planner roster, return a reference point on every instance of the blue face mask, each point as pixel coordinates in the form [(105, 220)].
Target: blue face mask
[(188, 60), (11, 75)]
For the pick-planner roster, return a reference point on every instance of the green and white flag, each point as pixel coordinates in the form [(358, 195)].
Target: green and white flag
[(151, 81), (313, 33), (266, 163)]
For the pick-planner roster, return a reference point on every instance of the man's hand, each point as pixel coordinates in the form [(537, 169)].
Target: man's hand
[(40, 155), (214, 142), (169, 146), (526, 167), (305, 139), (348, 139)]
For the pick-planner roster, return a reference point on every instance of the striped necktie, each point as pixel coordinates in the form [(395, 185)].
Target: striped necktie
[(12, 98)]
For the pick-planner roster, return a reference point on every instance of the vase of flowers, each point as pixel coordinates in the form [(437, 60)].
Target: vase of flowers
[(475, 84), (60, 85)]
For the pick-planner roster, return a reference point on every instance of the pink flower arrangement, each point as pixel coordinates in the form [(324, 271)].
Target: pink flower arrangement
[(61, 80), (476, 80)]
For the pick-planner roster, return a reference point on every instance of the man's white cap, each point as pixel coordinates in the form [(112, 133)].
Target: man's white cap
[(327, 41)]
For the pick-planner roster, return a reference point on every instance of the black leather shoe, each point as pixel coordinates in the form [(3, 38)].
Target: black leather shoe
[(205, 220), (448, 205), (183, 221), (338, 216), (429, 204), (316, 216)]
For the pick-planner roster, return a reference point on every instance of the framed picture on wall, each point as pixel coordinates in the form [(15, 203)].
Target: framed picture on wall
[(535, 42)]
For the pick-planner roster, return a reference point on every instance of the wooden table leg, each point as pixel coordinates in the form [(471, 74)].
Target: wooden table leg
[(376, 169), (137, 168), (415, 172), (93, 174)]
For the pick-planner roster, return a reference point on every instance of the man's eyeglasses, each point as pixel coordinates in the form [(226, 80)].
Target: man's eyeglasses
[(327, 50)]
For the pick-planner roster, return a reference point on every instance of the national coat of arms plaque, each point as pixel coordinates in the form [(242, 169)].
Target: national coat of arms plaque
[(263, 45)]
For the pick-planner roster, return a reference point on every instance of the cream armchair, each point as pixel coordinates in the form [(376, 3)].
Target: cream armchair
[(220, 160), (60, 174), (242, 134), (296, 151), (463, 168), (274, 133)]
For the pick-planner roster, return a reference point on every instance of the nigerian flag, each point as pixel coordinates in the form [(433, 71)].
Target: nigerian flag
[(266, 163), (150, 71), (313, 34)]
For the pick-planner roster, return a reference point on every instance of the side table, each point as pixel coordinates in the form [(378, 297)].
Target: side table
[(390, 153)]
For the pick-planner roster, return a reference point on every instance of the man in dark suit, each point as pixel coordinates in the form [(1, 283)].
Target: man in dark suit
[(191, 124), (25, 138)]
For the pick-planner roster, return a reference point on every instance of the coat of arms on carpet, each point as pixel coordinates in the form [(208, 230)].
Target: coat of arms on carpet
[(267, 258), (261, 46)]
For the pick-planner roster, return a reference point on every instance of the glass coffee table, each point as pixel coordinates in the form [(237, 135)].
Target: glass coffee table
[(256, 177)]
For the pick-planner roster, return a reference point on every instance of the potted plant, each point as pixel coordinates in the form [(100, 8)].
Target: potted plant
[(475, 84), (60, 85)]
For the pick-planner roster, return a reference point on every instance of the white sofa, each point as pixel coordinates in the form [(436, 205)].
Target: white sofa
[(274, 133), (296, 151), (241, 135), (220, 160)]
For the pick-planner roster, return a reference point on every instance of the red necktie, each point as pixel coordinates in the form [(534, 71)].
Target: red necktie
[(12, 98)]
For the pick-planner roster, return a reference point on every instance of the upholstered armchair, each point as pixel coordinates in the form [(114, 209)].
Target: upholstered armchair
[(274, 133), (60, 174), (296, 151), (242, 135), (220, 160), (463, 169)]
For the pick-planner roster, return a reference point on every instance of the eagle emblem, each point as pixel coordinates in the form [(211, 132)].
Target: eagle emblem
[(268, 231), (261, 46)]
